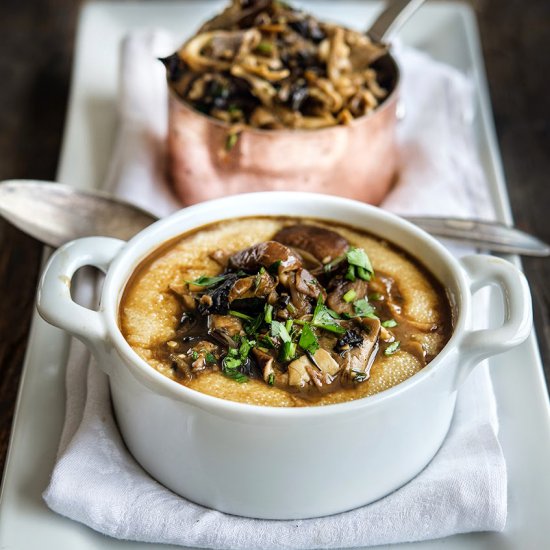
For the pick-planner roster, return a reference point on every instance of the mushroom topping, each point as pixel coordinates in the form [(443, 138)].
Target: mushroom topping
[(344, 293), (317, 369), (357, 360), (265, 362), (266, 255), (225, 323), (260, 285), (322, 243), (268, 317)]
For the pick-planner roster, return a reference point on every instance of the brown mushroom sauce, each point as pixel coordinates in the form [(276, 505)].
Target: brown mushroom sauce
[(297, 316), (263, 64)]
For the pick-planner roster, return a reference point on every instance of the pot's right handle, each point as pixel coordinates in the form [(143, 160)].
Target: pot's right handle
[(477, 345), (55, 303)]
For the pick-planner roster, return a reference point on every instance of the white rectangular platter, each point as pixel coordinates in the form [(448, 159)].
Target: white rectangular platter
[(448, 32)]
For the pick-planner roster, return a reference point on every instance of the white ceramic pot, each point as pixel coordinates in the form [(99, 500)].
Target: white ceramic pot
[(273, 462)]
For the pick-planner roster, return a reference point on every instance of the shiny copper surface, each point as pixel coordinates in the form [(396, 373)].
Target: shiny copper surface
[(358, 160)]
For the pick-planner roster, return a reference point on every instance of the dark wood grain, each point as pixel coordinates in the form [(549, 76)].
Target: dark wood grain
[(35, 64)]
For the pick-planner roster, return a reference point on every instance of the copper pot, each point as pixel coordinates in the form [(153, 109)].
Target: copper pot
[(358, 160)]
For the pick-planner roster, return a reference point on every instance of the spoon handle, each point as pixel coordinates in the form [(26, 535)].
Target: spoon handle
[(55, 214), (394, 16), (490, 235)]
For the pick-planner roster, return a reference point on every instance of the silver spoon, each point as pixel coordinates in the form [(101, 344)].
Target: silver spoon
[(55, 214)]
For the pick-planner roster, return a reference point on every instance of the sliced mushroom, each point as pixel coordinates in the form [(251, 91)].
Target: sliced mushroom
[(222, 328), (357, 362), (339, 288), (256, 286), (297, 373), (227, 323), (307, 284), (324, 244), (303, 370), (201, 350), (265, 255), (265, 363)]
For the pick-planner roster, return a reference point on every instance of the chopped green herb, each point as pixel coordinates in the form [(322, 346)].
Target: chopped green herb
[(241, 315), (231, 141), (287, 352), (234, 111), (331, 265), (364, 309), (390, 323), (251, 327), (194, 355), (267, 341), (291, 309), (308, 340), (271, 379), (288, 325), (360, 376), (349, 296), (362, 273), (268, 313), (236, 375), (392, 348), (265, 47), (375, 296), (358, 257), (207, 281), (258, 278), (211, 358), (323, 317), (274, 266), (350, 274), (230, 366), (245, 347), (230, 363), (279, 330)]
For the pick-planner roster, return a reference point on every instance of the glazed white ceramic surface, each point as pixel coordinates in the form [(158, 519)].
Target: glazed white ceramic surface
[(192, 442)]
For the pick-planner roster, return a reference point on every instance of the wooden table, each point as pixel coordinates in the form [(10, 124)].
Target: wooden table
[(35, 64)]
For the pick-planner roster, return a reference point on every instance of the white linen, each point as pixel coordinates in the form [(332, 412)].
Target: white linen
[(95, 480)]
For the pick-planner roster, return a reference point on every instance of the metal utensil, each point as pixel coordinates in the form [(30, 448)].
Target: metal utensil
[(55, 214)]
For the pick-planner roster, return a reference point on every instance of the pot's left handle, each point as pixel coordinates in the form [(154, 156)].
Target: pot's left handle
[(55, 303), (477, 345)]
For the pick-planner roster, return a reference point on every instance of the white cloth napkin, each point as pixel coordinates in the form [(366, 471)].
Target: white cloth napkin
[(95, 480)]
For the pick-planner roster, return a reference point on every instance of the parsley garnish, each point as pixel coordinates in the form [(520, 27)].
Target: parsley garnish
[(241, 315), (308, 340), (268, 313), (359, 265), (287, 352), (264, 47), (349, 296), (331, 265), (364, 309), (323, 317), (234, 359), (360, 376), (271, 379), (392, 348), (279, 330), (390, 323), (205, 281), (231, 141)]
